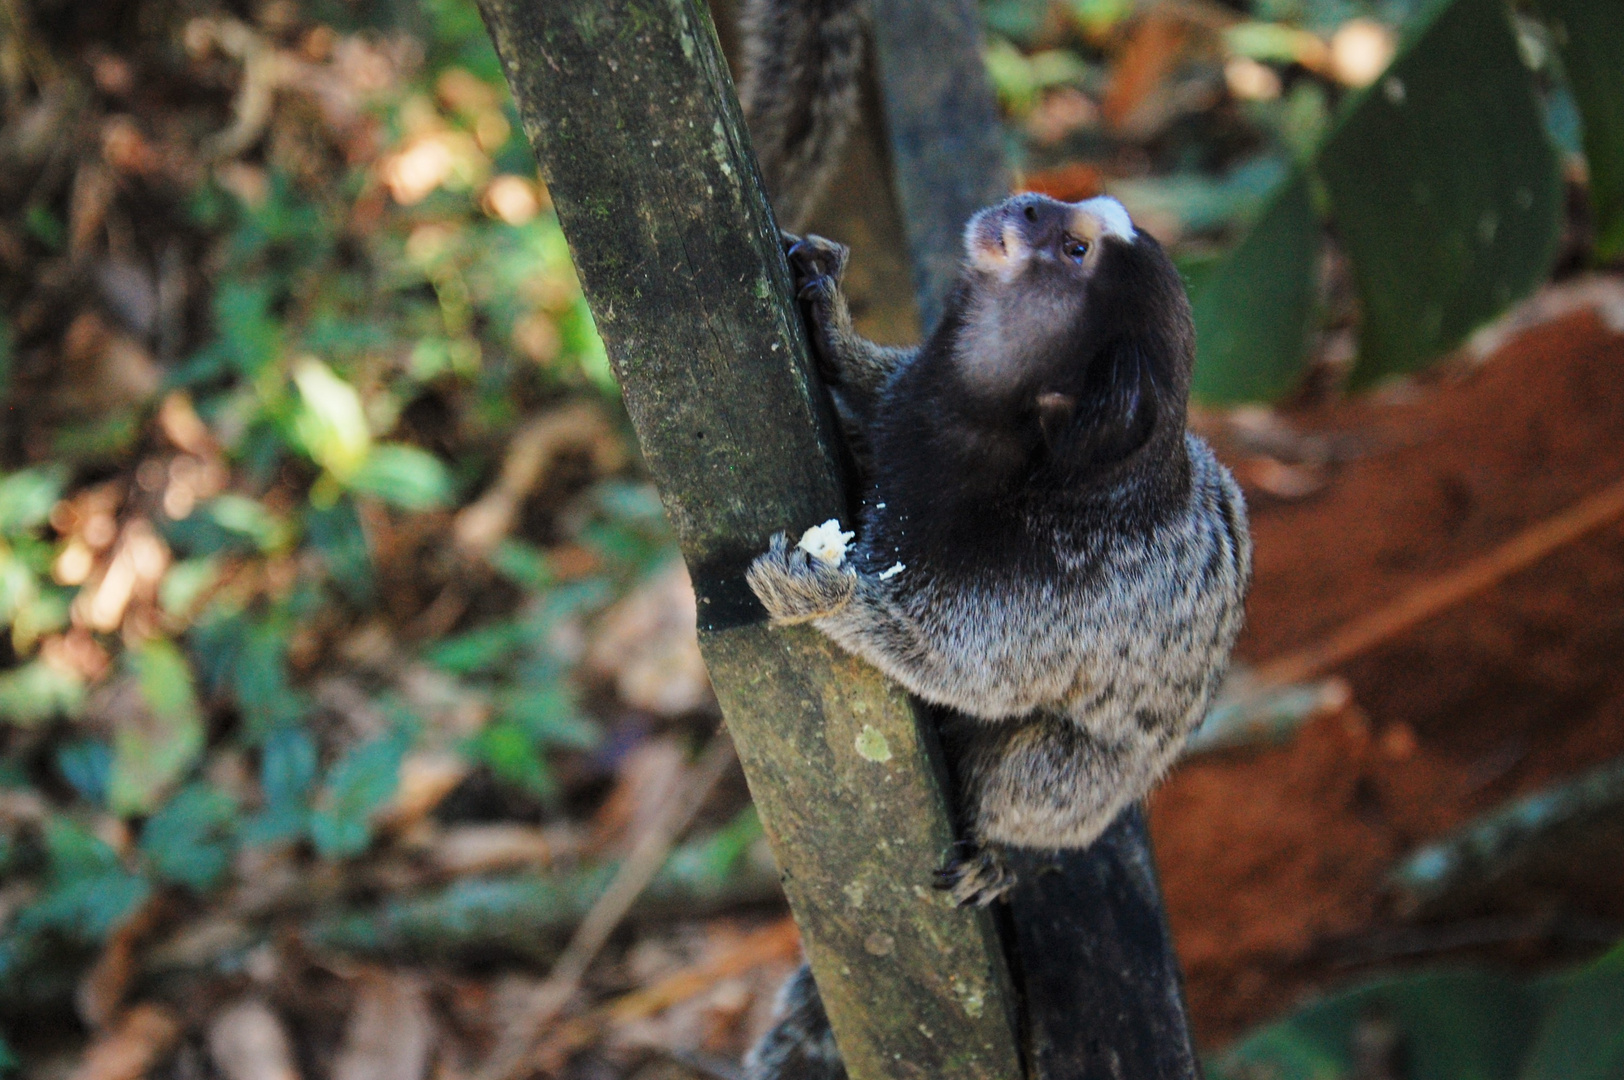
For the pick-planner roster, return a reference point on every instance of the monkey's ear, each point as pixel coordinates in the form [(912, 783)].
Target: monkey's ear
[(1055, 412)]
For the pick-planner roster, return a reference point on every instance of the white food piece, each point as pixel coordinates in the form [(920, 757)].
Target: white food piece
[(826, 543), (892, 571)]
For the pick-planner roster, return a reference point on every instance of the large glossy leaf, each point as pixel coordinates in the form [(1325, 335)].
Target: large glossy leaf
[(1444, 187), (1590, 35), (1581, 1035), (1252, 309), (1452, 1026)]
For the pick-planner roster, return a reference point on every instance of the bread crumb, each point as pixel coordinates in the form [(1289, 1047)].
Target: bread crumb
[(826, 543)]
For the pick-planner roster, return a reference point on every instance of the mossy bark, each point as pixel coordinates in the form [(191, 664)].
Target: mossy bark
[(1095, 963), (634, 121)]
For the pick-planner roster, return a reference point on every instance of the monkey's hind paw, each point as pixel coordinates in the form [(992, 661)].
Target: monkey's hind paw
[(975, 876), (794, 587), (816, 263)]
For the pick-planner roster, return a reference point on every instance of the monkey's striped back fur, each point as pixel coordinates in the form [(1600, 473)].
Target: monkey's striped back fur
[(802, 61)]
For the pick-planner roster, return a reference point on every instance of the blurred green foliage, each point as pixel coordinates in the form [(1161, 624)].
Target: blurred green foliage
[(1442, 185), (375, 327), (1436, 169), (1453, 1025)]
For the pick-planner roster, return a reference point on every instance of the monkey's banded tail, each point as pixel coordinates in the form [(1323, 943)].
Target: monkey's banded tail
[(802, 59)]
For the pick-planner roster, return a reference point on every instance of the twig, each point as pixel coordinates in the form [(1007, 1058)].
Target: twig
[(482, 525), (1520, 552), (634, 875), (1550, 827), (778, 941)]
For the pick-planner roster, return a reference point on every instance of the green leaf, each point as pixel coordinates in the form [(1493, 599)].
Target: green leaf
[(1201, 203), (478, 650), (403, 476), (154, 747), (1590, 37), (511, 753), (88, 909), (26, 498), (361, 782), (250, 336), (36, 692), (331, 423), (90, 893), (1581, 1034), (523, 564), (1453, 1026), (713, 859), (548, 714), (337, 535), (243, 516), (287, 769), (87, 765), (1252, 310), (185, 582), (74, 851), (189, 841), (1444, 187), (260, 677)]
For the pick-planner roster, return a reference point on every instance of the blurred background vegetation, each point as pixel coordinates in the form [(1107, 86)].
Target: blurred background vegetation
[(344, 650)]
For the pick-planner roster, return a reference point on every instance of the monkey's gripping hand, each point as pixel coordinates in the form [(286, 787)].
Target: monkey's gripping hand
[(794, 587), (854, 367)]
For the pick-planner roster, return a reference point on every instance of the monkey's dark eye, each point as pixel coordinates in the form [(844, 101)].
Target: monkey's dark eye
[(1075, 249)]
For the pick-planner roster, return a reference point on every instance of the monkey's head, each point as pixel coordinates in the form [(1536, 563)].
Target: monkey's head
[(1077, 323)]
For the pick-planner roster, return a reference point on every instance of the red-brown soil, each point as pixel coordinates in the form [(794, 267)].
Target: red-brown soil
[(1273, 860)]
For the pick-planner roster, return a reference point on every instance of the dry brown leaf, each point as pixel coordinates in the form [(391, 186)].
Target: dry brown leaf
[(101, 990), (132, 1047), (480, 849), (648, 645), (390, 1033), (426, 778), (1069, 182), (778, 941), (248, 1042), (648, 776), (1155, 44), (482, 525)]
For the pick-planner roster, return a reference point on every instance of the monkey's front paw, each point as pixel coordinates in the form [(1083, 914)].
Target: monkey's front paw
[(817, 265), (794, 587), (975, 876)]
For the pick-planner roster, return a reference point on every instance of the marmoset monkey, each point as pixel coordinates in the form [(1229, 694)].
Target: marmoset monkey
[(1042, 548)]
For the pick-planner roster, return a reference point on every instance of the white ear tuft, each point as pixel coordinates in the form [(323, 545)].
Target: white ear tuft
[(1112, 214)]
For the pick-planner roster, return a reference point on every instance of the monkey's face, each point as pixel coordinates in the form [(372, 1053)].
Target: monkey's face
[(1054, 245), (1078, 320)]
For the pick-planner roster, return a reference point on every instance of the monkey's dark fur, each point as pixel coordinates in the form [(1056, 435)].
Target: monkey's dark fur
[(800, 1044), (799, 90), (1043, 547)]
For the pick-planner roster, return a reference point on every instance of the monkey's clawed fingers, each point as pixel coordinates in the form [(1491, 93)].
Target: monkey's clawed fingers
[(794, 587), (975, 876), (817, 264)]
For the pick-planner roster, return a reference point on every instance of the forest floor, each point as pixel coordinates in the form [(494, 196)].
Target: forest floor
[(402, 768), (1274, 860)]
